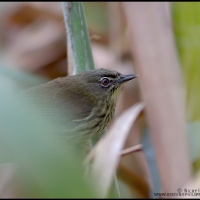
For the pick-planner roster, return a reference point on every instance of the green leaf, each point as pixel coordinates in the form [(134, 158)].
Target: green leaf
[(43, 168)]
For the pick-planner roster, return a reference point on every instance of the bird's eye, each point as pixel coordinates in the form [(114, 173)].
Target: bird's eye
[(105, 82)]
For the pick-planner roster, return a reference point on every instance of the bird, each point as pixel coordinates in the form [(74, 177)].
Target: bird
[(85, 103)]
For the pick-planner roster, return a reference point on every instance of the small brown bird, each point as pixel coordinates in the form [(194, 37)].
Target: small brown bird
[(87, 101)]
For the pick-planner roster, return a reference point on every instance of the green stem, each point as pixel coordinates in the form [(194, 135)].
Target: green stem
[(78, 36)]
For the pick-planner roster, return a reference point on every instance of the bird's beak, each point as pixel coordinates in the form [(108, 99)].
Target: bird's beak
[(125, 78)]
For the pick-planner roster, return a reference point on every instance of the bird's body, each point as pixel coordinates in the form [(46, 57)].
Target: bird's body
[(85, 101)]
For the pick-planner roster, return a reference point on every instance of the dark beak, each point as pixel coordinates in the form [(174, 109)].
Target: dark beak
[(125, 78)]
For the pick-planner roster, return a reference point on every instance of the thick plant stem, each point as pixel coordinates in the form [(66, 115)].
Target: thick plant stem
[(78, 37), (154, 50)]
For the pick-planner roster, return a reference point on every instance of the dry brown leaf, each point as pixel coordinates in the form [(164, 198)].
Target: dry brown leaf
[(34, 39), (42, 46), (52, 10), (106, 153), (117, 29), (135, 182), (156, 62), (137, 163)]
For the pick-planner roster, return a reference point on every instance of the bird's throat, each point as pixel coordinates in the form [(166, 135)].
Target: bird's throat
[(116, 94)]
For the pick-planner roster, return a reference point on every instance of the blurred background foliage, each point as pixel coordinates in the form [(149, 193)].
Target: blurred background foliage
[(186, 24), (32, 51), (186, 21)]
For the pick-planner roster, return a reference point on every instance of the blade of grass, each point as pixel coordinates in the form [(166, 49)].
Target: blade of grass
[(78, 36)]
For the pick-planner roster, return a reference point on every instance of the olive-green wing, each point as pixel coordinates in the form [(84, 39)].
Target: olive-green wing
[(65, 97)]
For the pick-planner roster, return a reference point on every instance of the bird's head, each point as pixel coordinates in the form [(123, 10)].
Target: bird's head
[(105, 82)]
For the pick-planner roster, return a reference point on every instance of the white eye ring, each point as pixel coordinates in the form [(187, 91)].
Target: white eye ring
[(105, 82)]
